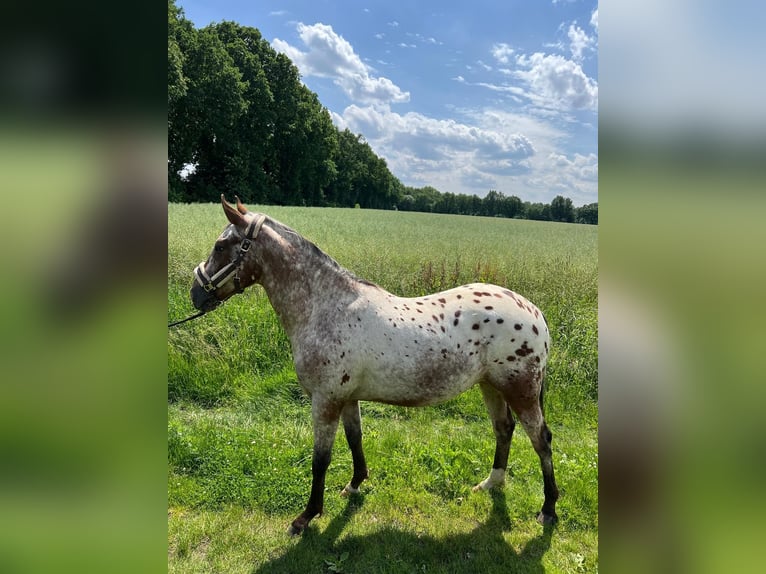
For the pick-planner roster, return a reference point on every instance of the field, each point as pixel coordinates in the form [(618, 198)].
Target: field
[(239, 428)]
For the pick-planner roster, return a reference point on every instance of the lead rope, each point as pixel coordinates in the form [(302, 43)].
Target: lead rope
[(187, 319)]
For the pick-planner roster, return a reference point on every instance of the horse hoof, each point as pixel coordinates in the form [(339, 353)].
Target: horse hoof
[(348, 490), (295, 529), (547, 519)]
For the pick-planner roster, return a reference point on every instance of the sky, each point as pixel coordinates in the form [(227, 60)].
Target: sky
[(466, 96)]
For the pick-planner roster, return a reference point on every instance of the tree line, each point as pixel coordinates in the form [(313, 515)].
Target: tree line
[(238, 113)]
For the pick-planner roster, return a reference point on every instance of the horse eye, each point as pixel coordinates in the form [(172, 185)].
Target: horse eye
[(219, 248)]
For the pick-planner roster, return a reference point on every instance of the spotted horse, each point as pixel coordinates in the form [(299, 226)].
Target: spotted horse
[(353, 341)]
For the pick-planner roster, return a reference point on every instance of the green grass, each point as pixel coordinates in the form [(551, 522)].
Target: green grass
[(239, 428)]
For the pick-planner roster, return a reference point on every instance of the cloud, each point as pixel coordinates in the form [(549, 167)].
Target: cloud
[(429, 137), (549, 82), (580, 167), (450, 155), (594, 19), (575, 177), (329, 55), (579, 41), (554, 81), (502, 53)]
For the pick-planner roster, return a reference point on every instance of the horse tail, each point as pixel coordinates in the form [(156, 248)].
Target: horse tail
[(542, 391)]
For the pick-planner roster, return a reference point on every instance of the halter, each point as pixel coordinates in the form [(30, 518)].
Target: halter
[(229, 271)]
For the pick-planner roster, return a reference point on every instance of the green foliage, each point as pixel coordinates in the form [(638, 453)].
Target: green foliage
[(562, 209), (587, 214)]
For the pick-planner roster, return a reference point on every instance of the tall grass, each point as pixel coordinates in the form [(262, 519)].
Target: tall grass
[(239, 432)]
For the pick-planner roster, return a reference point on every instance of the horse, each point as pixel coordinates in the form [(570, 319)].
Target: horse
[(354, 341)]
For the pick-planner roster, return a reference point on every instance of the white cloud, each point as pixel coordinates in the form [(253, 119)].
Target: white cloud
[(579, 41), (502, 52), (580, 167), (594, 19), (549, 82), (425, 136), (329, 55), (554, 81), (575, 177), (486, 67)]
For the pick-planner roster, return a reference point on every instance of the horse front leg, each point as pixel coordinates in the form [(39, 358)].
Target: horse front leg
[(352, 425), (325, 417)]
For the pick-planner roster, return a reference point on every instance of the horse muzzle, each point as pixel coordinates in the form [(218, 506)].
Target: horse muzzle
[(204, 290), (203, 300)]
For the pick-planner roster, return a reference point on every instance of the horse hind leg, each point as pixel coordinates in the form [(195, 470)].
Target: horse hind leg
[(503, 425), (352, 426), (533, 421)]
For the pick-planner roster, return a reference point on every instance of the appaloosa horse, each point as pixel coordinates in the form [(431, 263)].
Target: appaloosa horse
[(353, 341)]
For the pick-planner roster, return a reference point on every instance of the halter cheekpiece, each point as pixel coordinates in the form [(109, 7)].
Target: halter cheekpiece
[(229, 271)]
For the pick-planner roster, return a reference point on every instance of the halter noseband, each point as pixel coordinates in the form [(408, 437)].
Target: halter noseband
[(229, 271)]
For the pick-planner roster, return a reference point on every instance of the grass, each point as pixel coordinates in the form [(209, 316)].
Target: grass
[(239, 428)]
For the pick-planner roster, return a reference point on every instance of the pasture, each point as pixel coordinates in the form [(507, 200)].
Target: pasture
[(239, 427)]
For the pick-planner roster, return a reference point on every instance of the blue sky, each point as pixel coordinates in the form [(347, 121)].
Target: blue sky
[(463, 96)]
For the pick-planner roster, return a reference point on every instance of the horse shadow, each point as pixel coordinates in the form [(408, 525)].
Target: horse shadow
[(391, 550)]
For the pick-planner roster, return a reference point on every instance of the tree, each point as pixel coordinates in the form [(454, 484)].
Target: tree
[(490, 205), (587, 214), (562, 209), (511, 206)]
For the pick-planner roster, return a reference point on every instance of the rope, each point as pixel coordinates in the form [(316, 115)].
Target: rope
[(187, 319)]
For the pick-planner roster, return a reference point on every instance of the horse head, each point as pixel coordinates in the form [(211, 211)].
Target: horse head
[(230, 268)]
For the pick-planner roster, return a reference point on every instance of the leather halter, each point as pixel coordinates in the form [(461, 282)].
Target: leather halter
[(229, 271)]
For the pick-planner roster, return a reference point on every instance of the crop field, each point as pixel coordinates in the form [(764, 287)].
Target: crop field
[(239, 426)]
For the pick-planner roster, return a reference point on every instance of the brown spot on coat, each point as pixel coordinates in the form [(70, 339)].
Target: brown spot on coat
[(524, 350), (475, 326), (517, 326), (345, 378), (534, 329)]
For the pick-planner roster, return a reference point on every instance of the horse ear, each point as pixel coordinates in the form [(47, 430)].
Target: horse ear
[(234, 216), (241, 208)]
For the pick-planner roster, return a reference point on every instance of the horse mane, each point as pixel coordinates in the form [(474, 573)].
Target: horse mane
[(306, 245)]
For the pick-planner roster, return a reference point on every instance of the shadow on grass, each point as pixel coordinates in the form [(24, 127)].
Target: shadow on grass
[(390, 550)]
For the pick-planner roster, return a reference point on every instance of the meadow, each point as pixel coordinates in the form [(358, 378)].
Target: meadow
[(239, 427)]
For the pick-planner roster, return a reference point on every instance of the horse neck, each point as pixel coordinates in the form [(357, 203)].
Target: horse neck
[(299, 278)]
